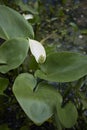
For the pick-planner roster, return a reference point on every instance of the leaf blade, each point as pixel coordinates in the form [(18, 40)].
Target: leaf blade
[(63, 67), (13, 25), (39, 105), (13, 51)]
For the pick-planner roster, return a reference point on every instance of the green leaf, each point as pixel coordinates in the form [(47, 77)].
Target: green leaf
[(33, 65), (84, 31), (3, 84), (64, 1), (2, 61), (63, 67), (74, 26), (67, 115), (39, 105), (13, 25), (83, 99), (84, 102), (57, 122), (14, 52), (25, 7)]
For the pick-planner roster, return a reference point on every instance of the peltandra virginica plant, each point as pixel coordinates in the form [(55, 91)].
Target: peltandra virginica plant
[(40, 101)]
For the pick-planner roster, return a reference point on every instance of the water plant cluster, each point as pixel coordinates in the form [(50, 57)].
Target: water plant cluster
[(41, 87)]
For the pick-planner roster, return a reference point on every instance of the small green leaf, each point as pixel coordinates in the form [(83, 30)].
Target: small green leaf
[(13, 25), (25, 7), (67, 115), (74, 26), (3, 84), (83, 99), (14, 52), (39, 105), (63, 67), (84, 102), (84, 31)]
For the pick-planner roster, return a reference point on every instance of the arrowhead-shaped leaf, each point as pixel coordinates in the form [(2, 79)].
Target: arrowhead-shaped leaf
[(63, 67), (14, 52), (13, 25), (3, 84)]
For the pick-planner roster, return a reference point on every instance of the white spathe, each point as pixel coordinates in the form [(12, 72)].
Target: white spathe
[(28, 16), (37, 50)]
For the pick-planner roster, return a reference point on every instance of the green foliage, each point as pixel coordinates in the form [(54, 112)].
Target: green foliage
[(84, 31), (63, 67), (39, 105), (2, 61), (3, 85), (35, 89), (74, 26), (67, 115), (14, 52), (25, 7), (83, 99), (13, 25), (33, 65), (42, 103)]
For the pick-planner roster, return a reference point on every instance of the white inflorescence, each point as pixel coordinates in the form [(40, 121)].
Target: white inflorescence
[(28, 16), (37, 51)]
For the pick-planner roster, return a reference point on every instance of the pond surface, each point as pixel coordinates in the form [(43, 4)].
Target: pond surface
[(64, 26)]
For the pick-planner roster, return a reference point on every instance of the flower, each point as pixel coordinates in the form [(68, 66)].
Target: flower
[(37, 51), (28, 16)]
